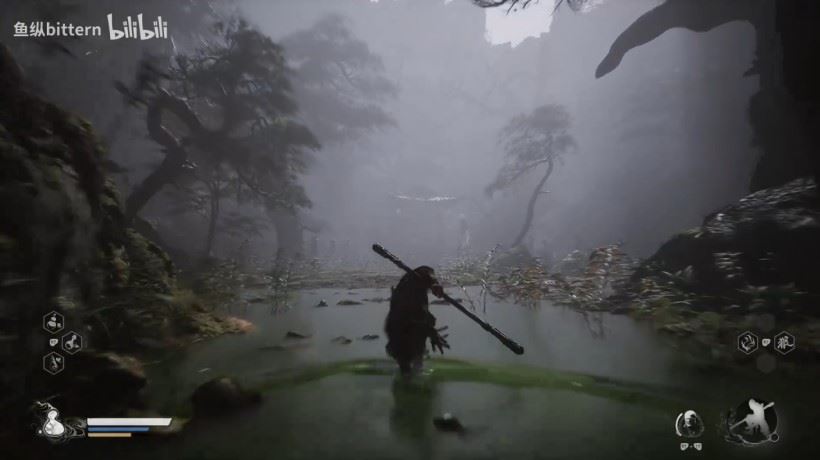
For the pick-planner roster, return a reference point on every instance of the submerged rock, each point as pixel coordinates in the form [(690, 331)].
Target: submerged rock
[(348, 302), (370, 337), (295, 335), (322, 303), (377, 299), (342, 340), (448, 423), (222, 396)]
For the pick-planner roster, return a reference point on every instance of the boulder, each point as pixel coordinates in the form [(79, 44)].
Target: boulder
[(448, 423), (769, 238), (295, 335), (222, 396)]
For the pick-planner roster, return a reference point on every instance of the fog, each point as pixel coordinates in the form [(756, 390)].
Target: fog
[(662, 141)]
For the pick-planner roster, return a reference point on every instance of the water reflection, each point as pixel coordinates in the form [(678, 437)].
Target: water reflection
[(412, 411)]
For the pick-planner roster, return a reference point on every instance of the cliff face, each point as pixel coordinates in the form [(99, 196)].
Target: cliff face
[(63, 242)]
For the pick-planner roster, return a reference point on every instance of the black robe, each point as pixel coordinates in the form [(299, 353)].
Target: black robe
[(409, 322)]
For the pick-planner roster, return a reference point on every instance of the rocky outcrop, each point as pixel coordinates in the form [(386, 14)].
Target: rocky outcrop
[(104, 383), (768, 241), (65, 245), (222, 396)]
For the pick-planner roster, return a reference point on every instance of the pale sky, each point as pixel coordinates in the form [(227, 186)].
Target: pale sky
[(517, 26)]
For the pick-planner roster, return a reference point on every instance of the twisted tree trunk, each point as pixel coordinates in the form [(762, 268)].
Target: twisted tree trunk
[(175, 152), (531, 206)]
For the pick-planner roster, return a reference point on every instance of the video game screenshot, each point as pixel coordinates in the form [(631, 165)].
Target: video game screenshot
[(409, 229)]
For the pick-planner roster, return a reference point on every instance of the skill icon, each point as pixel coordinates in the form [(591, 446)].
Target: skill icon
[(784, 343), (752, 423), (689, 424), (747, 342)]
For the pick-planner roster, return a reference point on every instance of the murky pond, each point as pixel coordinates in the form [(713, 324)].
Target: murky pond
[(586, 387)]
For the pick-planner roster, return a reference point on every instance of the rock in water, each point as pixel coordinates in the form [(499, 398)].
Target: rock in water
[(448, 423), (370, 337), (348, 302), (377, 299), (322, 303), (342, 340), (222, 396), (295, 335)]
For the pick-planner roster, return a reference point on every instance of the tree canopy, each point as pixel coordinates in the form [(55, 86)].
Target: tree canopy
[(530, 140), (227, 121)]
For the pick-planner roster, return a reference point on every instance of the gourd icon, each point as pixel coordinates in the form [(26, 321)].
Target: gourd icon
[(52, 427)]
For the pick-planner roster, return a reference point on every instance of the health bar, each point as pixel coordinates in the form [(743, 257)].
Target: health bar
[(128, 421)]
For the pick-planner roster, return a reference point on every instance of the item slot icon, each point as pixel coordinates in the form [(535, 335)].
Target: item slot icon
[(53, 363), (72, 342), (688, 424), (53, 322), (747, 342), (53, 342)]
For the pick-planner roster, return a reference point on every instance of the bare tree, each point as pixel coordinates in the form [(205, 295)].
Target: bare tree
[(529, 141)]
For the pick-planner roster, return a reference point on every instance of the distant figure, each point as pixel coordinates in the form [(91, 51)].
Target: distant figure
[(409, 323)]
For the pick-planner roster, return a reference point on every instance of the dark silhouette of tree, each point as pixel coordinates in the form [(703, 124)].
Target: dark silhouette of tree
[(783, 113), (695, 15), (230, 130), (339, 83), (529, 141)]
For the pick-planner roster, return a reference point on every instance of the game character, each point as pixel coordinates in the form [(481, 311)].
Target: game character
[(409, 322)]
